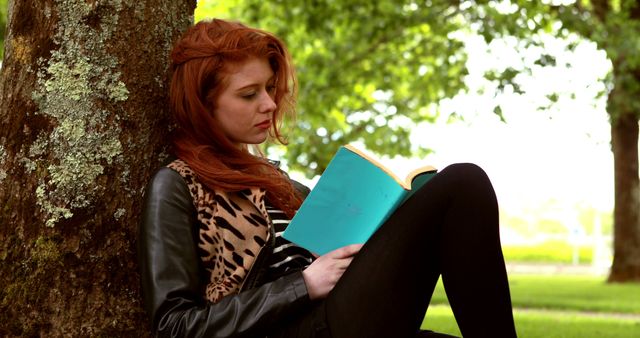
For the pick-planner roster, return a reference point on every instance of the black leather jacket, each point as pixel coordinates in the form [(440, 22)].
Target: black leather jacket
[(172, 275)]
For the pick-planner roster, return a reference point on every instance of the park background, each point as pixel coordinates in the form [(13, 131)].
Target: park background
[(538, 124), (552, 168)]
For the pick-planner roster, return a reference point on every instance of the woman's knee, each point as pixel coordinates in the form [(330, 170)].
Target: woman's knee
[(466, 171), (468, 178)]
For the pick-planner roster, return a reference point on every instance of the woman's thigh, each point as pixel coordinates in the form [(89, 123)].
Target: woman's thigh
[(389, 284)]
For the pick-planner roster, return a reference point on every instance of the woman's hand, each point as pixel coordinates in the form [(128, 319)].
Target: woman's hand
[(323, 274)]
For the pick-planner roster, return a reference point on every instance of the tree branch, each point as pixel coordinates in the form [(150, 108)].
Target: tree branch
[(634, 10), (601, 9)]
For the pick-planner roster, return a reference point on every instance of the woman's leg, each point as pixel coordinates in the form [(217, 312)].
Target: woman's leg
[(449, 227)]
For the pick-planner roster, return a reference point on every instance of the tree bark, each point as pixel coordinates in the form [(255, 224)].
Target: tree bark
[(624, 110), (83, 123), (626, 214)]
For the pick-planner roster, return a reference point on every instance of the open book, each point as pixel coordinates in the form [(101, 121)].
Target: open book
[(352, 199)]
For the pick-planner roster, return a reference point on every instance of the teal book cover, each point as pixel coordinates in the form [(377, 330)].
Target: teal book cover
[(351, 200)]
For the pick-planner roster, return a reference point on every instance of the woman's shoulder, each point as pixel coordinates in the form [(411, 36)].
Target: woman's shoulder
[(166, 190), (166, 180), (172, 175), (301, 188), (180, 167), (175, 170)]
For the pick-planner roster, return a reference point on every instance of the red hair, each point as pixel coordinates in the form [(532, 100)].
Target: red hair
[(200, 63)]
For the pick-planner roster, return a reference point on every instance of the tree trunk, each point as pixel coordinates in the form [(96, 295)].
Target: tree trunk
[(83, 123), (626, 215)]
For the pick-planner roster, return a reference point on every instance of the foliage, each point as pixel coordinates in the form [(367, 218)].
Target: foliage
[(3, 25), (367, 70), (556, 252), (541, 219), (208, 9), (614, 25)]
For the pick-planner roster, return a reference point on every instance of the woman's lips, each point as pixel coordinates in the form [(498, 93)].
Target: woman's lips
[(264, 124)]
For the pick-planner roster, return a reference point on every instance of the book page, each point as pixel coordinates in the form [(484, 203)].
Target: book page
[(419, 179), (375, 161), (405, 182), (416, 174)]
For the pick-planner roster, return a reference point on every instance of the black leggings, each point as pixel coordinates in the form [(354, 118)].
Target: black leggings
[(448, 228)]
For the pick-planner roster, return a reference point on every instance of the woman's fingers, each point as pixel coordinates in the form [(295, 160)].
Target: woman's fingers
[(342, 264), (345, 251), (323, 274)]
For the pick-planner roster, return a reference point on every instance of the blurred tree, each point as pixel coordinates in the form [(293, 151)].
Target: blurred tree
[(82, 126), (614, 25)]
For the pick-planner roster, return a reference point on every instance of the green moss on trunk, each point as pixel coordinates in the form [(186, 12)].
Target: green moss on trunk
[(42, 258)]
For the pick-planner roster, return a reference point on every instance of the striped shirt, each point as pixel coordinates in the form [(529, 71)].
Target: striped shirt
[(286, 256)]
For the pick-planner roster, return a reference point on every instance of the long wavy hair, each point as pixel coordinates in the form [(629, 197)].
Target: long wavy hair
[(200, 64)]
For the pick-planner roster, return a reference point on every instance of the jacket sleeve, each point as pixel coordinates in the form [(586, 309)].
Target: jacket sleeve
[(172, 275), (302, 189)]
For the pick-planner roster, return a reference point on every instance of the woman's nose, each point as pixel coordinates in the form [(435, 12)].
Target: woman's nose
[(267, 105)]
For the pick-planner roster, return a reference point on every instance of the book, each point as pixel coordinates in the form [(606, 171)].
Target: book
[(354, 196)]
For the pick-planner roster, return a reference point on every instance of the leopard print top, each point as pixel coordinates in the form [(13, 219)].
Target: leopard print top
[(233, 228)]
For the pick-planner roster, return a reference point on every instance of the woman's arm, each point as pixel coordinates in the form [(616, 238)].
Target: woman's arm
[(173, 279)]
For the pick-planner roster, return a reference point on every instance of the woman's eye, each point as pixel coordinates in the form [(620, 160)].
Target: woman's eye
[(271, 88), (249, 95)]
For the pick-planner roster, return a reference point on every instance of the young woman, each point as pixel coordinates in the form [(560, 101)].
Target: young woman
[(213, 263)]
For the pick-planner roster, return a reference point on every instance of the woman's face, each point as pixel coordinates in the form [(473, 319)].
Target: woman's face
[(245, 107)]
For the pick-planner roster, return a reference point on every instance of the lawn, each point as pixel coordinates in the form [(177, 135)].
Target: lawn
[(548, 324), (559, 306)]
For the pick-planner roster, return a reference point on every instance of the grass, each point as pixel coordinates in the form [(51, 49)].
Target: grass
[(558, 306), (577, 293), (548, 324)]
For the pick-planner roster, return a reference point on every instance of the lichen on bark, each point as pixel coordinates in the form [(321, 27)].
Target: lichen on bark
[(75, 88), (3, 155)]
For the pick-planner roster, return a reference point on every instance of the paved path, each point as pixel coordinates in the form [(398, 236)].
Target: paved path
[(634, 317), (570, 313)]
